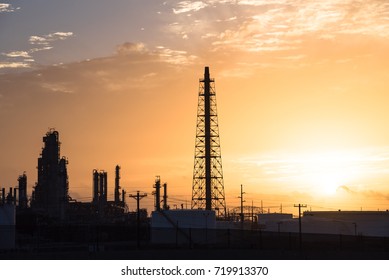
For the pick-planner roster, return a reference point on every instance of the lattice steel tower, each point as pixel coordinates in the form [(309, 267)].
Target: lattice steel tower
[(208, 185)]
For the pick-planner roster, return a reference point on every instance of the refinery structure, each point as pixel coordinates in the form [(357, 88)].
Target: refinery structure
[(208, 185), (52, 216), (50, 197), (51, 193)]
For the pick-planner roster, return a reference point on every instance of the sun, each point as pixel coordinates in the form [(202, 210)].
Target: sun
[(328, 183), (325, 173)]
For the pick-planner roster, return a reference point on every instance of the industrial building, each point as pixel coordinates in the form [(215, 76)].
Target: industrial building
[(364, 223)]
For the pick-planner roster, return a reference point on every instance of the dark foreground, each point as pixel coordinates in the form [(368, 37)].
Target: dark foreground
[(194, 254), (220, 245)]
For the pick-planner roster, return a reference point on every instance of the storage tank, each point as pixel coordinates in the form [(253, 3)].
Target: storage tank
[(7, 226), (183, 226)]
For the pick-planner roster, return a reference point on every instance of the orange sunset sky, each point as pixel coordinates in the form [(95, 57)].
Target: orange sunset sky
[(302, 92)]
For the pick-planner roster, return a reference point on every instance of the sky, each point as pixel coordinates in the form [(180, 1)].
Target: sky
[(302, 94)]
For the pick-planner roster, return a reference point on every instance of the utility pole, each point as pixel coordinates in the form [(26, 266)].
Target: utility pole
[(252, 211), (138, 197), (241, 204), (300, 235)]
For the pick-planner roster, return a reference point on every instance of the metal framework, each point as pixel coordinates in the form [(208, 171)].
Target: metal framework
[(208, 185)]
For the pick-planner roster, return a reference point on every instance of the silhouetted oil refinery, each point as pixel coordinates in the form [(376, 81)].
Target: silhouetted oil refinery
[(51, 223)]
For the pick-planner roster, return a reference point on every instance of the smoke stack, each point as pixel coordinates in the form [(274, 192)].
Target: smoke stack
[(14, 197), (105, 187), (23, 191), (9, 196), (165, 206), (117, 184), (157, 194), (206, 74), (123, 197), (95, 186)]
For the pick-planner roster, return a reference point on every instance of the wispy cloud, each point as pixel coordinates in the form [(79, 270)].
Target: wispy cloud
[(260, 2), (280, 25), (4, 8), (14, 65), (48, 38), (293, 57), (189, 6), (17, 54), (44, 48), (357, 191), (57, 87), (37, 40), (23, 58), (175, 56), (130, 48)]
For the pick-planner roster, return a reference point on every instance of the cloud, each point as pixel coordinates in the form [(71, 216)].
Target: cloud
[(367, 166), (364, 193), (261, 2), (40, 49), (41, 43), (346, 189), (293, 57), (252, 37), (189, 6), (132, 67), (4, 8), (175, 56), (37, 40), (14, 65), (57, 87), (228, 19), (149, 75), (60, 35), (195, 6), (267, 26), (17, 54), (130, 48), (46, 39)]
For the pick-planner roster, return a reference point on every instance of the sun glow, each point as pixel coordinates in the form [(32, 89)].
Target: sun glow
[(325, 173), (317, 173), (328, 183)]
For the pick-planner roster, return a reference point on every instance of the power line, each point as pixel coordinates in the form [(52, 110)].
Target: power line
[(241, 204), (138, 197)]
